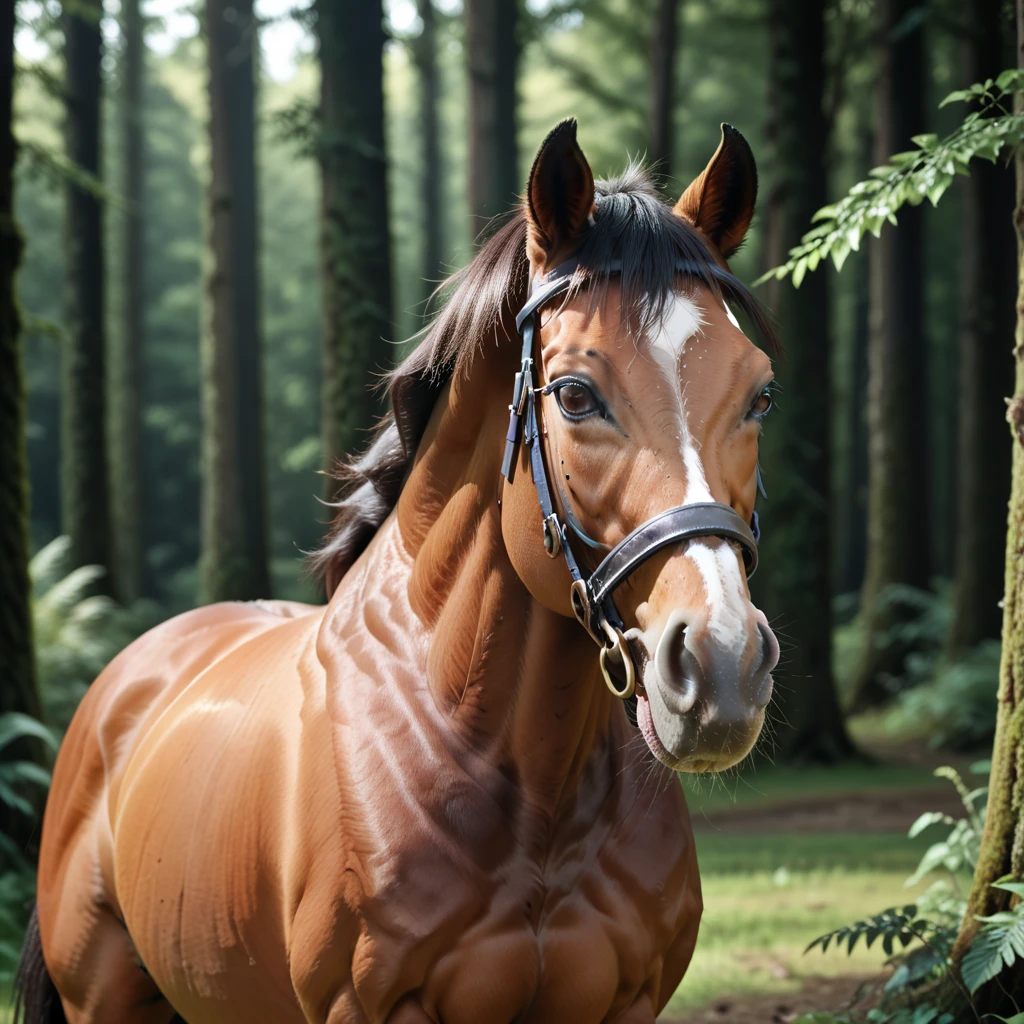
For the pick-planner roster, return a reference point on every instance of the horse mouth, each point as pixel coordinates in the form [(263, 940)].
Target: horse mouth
[(645, 723)]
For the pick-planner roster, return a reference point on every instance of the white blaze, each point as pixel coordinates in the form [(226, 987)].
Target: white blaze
[(679, 333)]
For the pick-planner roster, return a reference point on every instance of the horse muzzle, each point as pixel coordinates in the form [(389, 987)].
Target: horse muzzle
[(704, 700)]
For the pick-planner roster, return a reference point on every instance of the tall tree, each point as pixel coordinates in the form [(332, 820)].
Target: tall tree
[(987, 255), (853, 494), (234, 542), (492, 49), (424, 49), (355, 246), (18, 687), (664, 44), (85, 505), (127, 342), (1002, 844), (795, 445), (898, 533)]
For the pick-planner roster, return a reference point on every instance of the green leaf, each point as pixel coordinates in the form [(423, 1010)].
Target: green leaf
[(926, 141), (957, 96), (15, 726), (1006, 78), (1017, 888), (926, 820), (799, 271), (999, 943), (839, 253)]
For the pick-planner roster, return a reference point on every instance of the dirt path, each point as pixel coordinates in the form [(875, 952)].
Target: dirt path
[(816, 994), (867, 811)]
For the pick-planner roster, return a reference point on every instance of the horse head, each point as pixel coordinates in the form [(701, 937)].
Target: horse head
[(649, 397)]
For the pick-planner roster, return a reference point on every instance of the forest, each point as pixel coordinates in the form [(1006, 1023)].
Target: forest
[(222, 222)]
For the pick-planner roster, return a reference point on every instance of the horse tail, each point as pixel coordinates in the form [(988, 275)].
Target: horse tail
[(35, 995)]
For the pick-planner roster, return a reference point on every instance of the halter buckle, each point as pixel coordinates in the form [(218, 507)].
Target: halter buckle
[(552, 535)]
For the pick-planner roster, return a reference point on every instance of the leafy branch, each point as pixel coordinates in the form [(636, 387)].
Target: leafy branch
[(911, 177)]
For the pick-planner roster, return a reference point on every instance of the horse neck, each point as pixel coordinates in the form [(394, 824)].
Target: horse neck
[(515, 682)]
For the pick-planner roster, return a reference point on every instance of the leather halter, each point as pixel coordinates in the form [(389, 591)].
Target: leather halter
[(592, 599)]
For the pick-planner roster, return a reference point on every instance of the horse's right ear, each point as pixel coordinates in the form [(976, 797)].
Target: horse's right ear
[(720, 201), (559, 197)]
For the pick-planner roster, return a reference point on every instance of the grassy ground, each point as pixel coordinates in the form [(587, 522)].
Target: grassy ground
[(767, 894)]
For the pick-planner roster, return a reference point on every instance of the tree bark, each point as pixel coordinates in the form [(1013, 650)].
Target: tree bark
[(795, 444), (18, 690), (987, 255), (898, 495), (355, 246), (492, 48), (424, 50), (664, 44), (1002, 844), (233, 565), (127, 432), (852, 501), (85, 506)]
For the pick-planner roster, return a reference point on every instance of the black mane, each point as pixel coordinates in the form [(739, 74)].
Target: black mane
[(632, 224)]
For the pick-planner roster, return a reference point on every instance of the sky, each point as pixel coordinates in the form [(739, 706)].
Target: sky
[(282, 40)]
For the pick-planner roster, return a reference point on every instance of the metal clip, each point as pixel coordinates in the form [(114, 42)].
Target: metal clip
[(552, 535), (619, 653)]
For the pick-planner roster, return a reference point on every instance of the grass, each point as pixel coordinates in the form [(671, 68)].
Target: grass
[(765, 785), (756, 927), (766, 897)]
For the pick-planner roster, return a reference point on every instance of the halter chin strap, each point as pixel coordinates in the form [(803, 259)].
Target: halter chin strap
[(592, 600)]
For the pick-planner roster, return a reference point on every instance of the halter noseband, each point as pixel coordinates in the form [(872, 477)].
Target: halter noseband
[(592, 601)]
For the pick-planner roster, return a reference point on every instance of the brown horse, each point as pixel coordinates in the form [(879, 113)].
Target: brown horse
[(421, 802)]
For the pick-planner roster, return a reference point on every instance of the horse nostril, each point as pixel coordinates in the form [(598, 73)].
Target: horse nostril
[(676, 665), (762, 676)]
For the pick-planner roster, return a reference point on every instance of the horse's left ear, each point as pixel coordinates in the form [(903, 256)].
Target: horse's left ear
[(721, 200), (559, 196)]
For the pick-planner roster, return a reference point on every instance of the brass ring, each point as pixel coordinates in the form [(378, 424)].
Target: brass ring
[(620, 651)]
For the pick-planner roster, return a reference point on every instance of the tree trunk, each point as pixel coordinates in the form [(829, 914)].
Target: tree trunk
[(898, 495), (424, 50), (492, 49), (1002, 844), (664, 36), (127, 343), (234, 559), (852, 500), (355, 244), (987, 256), (18, 692), (18, 687), (85, 507), (795, 444)]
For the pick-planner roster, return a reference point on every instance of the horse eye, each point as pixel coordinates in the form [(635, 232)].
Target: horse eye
[(576, 401), (762, 404)]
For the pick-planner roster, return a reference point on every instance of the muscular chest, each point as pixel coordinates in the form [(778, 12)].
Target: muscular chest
[(495, 925)]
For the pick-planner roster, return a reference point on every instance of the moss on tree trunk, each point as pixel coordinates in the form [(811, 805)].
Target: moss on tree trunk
[(126, 385), (492, 51), (85, 505), (233, 565), (424, 51), (355, 247)]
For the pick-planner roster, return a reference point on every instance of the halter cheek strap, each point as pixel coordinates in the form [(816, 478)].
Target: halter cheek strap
[(592, 599)]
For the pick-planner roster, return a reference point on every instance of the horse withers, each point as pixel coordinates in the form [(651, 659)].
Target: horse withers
[(426, 801)]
